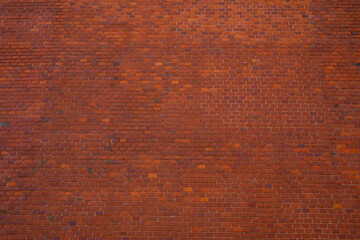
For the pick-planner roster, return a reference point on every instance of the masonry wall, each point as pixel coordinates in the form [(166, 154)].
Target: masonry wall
[(179, 119)]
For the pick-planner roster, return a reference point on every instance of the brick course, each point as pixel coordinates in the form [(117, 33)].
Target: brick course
[(179, 119)]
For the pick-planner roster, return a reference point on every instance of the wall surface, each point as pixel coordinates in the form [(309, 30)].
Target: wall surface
[(179, 119)]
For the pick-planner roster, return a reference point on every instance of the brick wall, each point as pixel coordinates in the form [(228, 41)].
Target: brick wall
[(179, 119)]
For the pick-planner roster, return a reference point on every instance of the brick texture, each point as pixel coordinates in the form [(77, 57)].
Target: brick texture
[(179, 119)]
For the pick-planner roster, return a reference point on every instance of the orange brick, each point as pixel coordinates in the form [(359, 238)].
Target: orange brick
[(152, 175), (11, 184), (337, 206), (134, 194)]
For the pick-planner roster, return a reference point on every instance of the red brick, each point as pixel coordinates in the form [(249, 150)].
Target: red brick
[(179, 119)]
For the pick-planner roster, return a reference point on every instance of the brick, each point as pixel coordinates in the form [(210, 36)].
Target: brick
[(135, 194), (211, 119), (11, 184), (188, 189), (337, 206), (152, 175)]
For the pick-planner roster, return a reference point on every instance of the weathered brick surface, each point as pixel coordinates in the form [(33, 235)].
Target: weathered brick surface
[(179, 119)]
